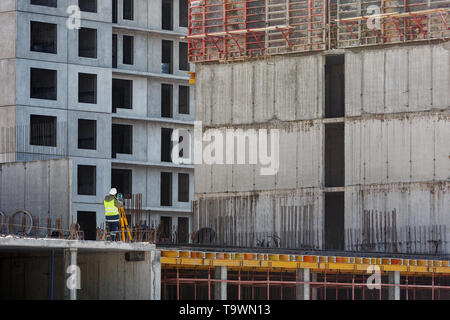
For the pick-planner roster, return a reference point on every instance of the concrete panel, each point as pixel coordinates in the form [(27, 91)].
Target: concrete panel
[(419, 80), (309, 97), (401, 217), (264, 94), (373, 81), (242, 93), (8, 24), (248, 219), (41, 187), (285, 89), (422, 148), (353, 83), (8, 79), (23, 42), (396, 85), (220, 93), (441, 76), (310, 154)]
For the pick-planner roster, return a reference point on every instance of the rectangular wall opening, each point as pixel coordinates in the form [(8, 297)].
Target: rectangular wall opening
[(183, 230), (183, 12), (128, 9), (128, 50), (44, 37), (166, 189), (183, 187), (114, 50), (166, 230), (335, 86), (87, 178), (43, 84), (183, 100), (87, 43), (87, 88), (88, 5), (334, 221), (46, 3), (87, 134), (166, 100), (115, 10), (88, 224), (166, 144), (167, 53), (167, 15), (43, 130), (334, 155), (122, 139), (122, 180), (183, 56), (122, 94)]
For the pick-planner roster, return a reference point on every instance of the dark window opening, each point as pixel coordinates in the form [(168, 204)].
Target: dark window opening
[(43, 84), (183, 230), (334, 221), (44, 37), (87, 134), (43, 130), (166, 230), (166, 100), (167, 53), (122, 94), (88, 224), (128, 50), (88, 5), (183, 56), (128, 9), (87, 43), (46, 3), (183, 187), (121, 179), (87, 88), (166, 189), (166, 145), (115, 10), (87, 180), (122, 139), (335, 87), (167, 14), (183, 100), (334, 155), (114, 51), (184, 8)]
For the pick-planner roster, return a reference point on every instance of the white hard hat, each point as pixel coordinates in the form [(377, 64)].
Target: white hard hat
[(113, 191)]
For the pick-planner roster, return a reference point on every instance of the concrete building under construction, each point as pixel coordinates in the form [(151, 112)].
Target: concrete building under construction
[(359, 93)]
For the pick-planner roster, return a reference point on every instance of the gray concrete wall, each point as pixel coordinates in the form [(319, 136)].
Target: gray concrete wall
[(396, 155), (41, 187)]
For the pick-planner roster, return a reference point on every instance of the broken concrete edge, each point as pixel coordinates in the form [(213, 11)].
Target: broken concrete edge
[(11, 242)]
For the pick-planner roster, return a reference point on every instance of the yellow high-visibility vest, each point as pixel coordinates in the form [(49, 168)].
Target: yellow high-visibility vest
[(110, 208)]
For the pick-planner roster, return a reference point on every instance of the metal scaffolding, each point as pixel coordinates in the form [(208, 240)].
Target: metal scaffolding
[(224, 30)]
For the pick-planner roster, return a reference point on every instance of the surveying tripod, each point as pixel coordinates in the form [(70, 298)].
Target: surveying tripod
[(123, 227)]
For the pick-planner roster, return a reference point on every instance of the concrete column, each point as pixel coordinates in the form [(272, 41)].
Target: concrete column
[(155, 272), (71, 275), (303, 290), (220, 288), (394, 292)]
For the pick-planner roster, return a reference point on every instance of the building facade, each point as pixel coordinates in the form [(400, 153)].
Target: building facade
[(103, 83)]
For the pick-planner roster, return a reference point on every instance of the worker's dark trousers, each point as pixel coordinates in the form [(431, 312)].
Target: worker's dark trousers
[(113, 225)]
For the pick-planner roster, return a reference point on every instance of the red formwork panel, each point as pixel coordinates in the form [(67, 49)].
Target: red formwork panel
[(374, 22), (221, 30)]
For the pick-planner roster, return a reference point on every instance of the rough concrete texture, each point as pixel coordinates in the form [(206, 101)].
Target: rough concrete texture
[(41, 187), (396, 155)]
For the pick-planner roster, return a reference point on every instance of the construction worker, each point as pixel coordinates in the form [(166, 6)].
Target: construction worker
[(112, 205)]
